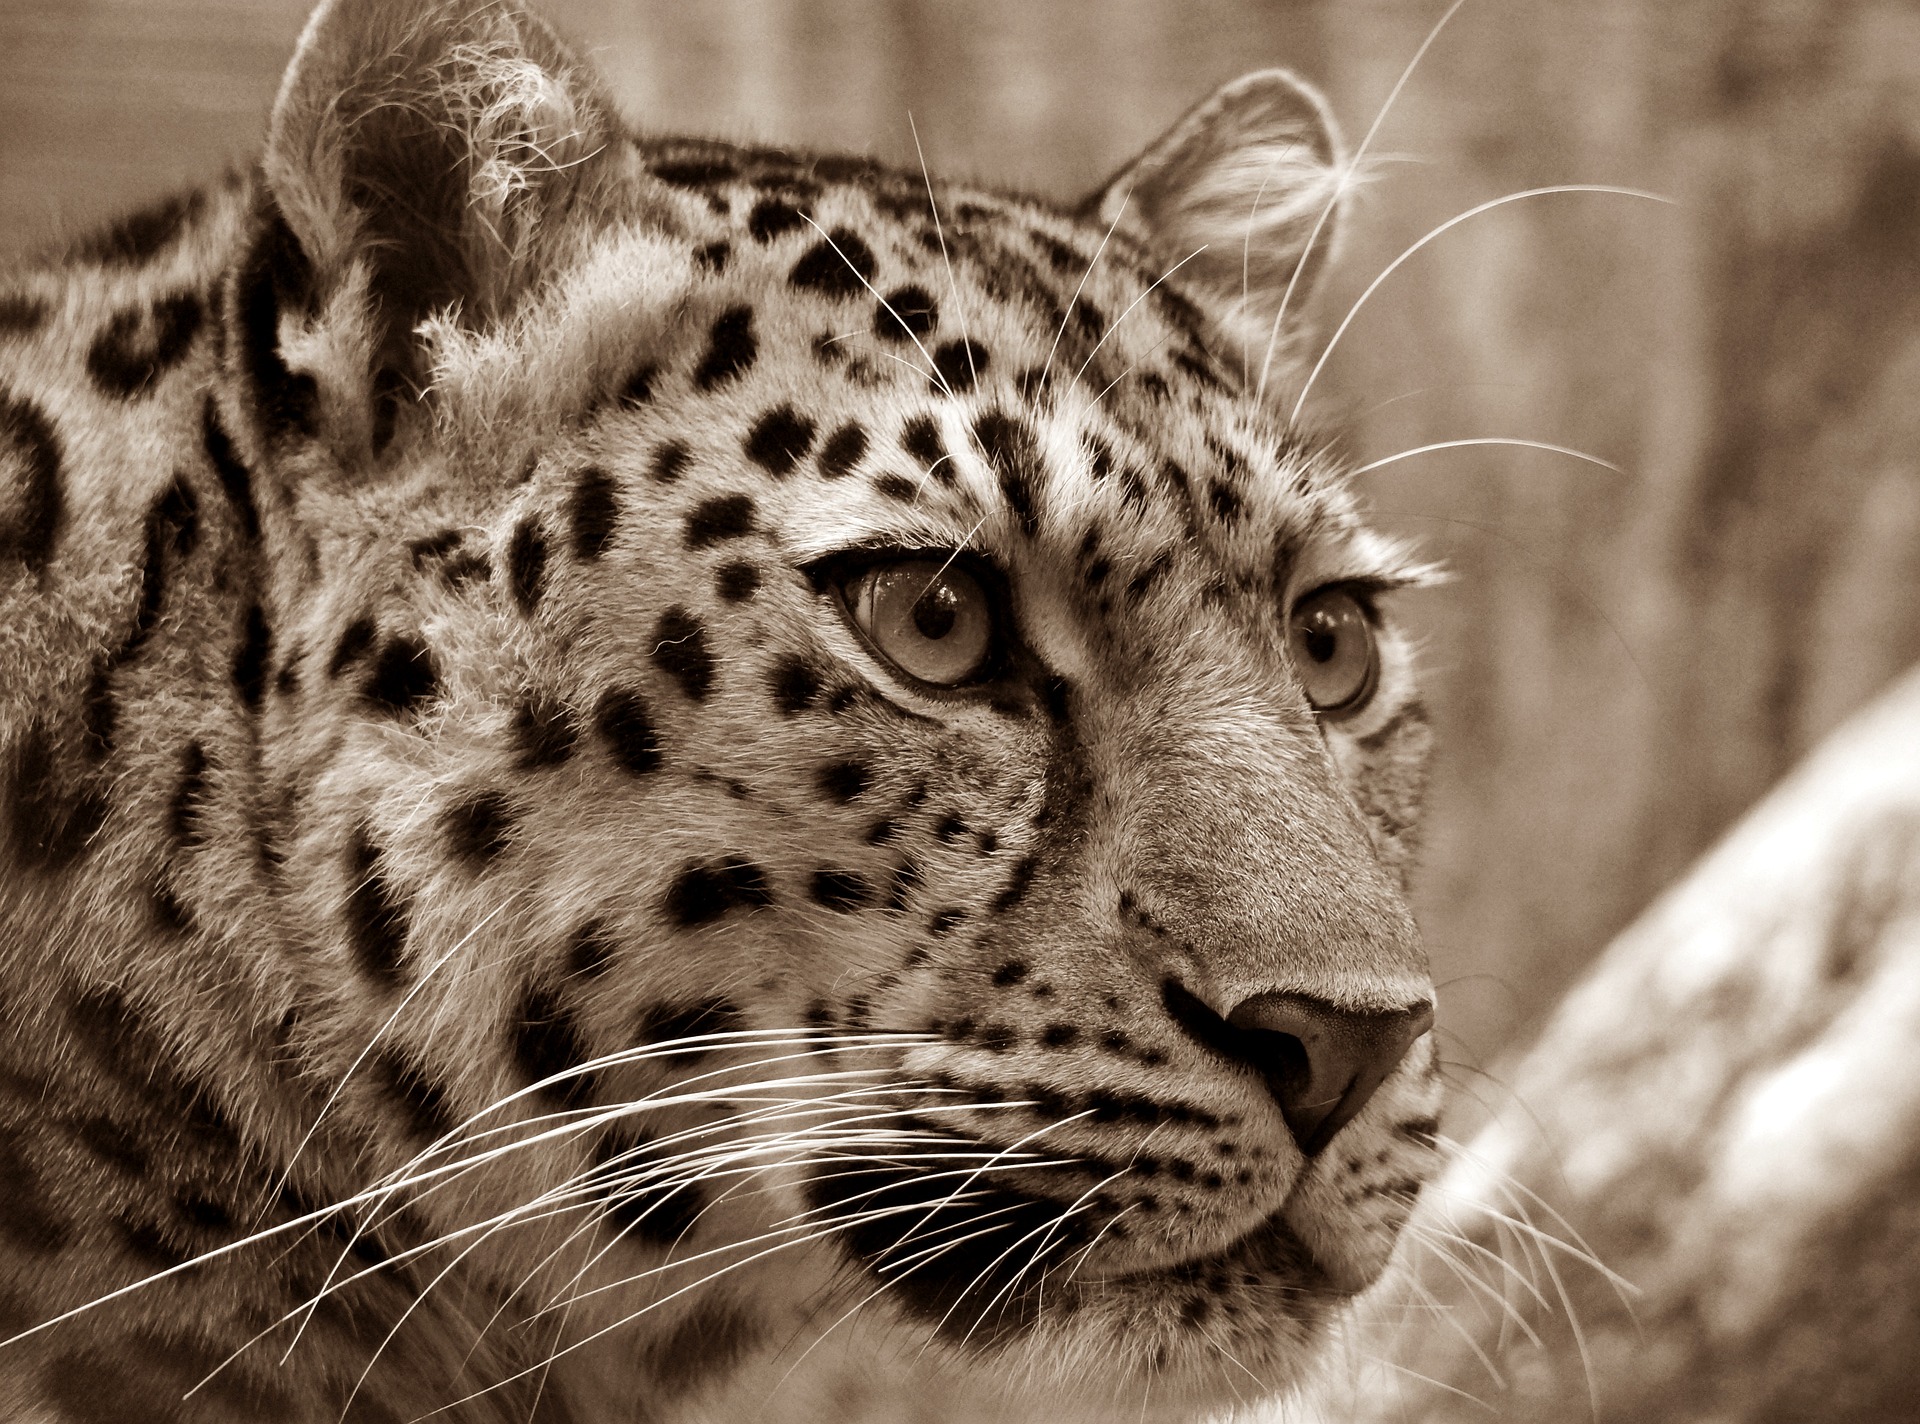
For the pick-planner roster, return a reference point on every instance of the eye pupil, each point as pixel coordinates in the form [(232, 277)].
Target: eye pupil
[(935, 611), (1322, 643)]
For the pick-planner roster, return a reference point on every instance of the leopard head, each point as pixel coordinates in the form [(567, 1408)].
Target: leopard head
[(844, 777)]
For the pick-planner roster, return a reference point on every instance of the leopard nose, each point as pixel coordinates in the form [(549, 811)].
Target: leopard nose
[(1321, 1062)]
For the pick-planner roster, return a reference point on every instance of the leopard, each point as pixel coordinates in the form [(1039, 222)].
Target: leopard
[(645, 778)]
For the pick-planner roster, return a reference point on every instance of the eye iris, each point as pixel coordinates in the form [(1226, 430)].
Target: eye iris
[(929, 617), (1334, 651)]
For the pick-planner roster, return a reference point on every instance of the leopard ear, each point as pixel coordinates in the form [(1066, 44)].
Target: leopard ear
[(1244, 192), (426, 156)]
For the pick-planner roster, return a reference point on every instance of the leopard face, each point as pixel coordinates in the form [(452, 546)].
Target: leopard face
[(827, 776)]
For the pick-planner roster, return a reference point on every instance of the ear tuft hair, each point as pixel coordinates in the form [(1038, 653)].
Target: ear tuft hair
[(432, 150), (1244, 191)]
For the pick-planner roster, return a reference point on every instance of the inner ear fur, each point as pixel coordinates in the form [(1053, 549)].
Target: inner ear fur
[(1244, 191), (428, 156)]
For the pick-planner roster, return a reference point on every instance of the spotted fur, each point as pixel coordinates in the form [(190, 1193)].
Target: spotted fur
[(480, 929)]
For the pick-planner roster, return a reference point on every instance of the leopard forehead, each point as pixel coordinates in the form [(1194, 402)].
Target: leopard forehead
[(877, 358)]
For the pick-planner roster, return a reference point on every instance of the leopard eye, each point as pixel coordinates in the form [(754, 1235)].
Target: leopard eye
[(1334, 651), (929, 617)]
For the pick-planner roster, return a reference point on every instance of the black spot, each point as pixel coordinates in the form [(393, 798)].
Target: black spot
[(669, 462), (702, 893), (172, 530), (737, 582), (30, 464), (29, 1222), (543, 732), (591, 951), (695, 172), (713, 256), (527, 563), (839, 265), (950, 829), (731, 348), (99, 713), (1088, 319), (843, 450), (945, 921), (1012, 972), (376, 914), (725, 516), (841, 890), (998, 1038), (626, 722), (989, 842), (780, 439), (140, 236), (187, 805), (1057, 693), (896, 487), (428, 1113), (403, 674), (155, 1248), (1226, 503), (1013, 455), (352, 646), (638, 389), (1017, 885), (478, 827), (1035, 383), (957, 365), (905, 313), (680, 651), (547, 1044), (108, 1027), (235, 478), (662, 1024), (139, 345), (643, 1206), (593, 513), (1138, 585), (844, 780), (772, 217), (882, 832), (251, 657), (54, 816), (920, 438), (1060, 1035), (795, 684), (274, 269), (112, 1143), (20, 313)]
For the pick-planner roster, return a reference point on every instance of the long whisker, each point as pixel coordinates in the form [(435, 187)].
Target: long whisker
[(939, 229), (1333, 199), (1067, 314), (1395, 459), (1445, 227)]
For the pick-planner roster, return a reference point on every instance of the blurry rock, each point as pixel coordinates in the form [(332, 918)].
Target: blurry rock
[(1702, 1201)]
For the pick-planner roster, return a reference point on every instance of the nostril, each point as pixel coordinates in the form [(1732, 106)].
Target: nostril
[(1321, 1062)]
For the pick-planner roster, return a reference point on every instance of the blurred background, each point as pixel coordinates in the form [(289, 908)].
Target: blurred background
[(1623, 661)]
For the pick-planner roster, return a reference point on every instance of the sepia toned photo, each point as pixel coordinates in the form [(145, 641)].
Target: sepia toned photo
[(914, 712)]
